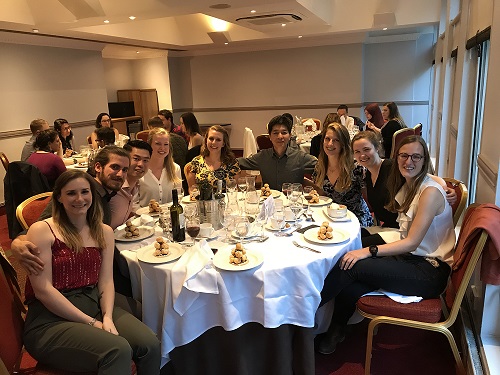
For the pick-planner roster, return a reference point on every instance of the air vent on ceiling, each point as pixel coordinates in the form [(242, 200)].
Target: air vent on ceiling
[(270, 19)]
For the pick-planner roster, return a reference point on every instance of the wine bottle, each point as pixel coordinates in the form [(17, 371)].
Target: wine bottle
[(177, 219), (218, 194)]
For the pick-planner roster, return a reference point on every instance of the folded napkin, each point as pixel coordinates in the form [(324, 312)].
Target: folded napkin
[(395, 297), (267, 209), (138, 221), (192, 275), (309, 121), (249, 143)]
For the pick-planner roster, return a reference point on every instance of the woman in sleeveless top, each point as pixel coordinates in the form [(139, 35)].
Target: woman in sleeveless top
[(71, 322), (417, 264)]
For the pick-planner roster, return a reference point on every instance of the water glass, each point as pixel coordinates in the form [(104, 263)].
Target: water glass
[(286, 189), (296, 207), (226, 219), (231, 186), (308, 197), (241, 227), (279, 216)]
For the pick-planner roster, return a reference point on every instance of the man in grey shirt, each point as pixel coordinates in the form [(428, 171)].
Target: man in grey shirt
[(36, 127), (280, 163)]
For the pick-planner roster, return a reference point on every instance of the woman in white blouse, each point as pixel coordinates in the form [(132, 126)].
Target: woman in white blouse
[(163, 174)]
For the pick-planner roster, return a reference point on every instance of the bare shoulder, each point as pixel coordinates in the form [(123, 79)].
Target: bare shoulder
[(108, 231), (39, 232)]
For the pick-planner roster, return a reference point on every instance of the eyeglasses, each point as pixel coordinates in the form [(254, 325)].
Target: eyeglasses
[(414, 157)]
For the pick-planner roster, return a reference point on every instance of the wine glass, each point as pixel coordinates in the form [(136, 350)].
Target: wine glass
[(308, 197), (231, 185), (279, 216), (286, 189), (164, 223), (226, 219), (190, 210), (193, 229), (295, 207), (195, 191), (241, 227), (242, 185)]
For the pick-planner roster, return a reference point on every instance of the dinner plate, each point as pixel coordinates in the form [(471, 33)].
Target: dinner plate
[(145, 210), (221, 260), (251, 234), (274, 193), (211, 237), (144, 232), (268, 226), (339, 235), (81, 165), (347, 217), (145, 254), (187, 199), (322, 202)]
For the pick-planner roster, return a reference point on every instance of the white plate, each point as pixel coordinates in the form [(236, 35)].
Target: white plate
[(252, 233), (268, 226), (347, 217), (211, 237), (144, 232), (322, 202), (145, 254), (274, 193), (81, 165), (145, 210), (187, 199), (339, 235), (221, 260)]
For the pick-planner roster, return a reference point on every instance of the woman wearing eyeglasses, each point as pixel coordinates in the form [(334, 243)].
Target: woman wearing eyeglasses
[(103, 119), (416, 263)]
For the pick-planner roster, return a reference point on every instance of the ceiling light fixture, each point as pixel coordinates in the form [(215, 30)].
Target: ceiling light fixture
[(385, 28), (137, 52), (283, 24), (226, 43), (300, 36), (132, 18), (35, 30), (106, 21), (253, 11), (219, 37)]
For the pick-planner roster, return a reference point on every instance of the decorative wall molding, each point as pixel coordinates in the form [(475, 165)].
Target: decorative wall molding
[(487, 170), (26, 132)]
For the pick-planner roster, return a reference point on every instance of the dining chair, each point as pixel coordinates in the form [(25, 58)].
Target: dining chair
[(428, 314), (263, 141), (318, 123), (5, 160), (14, 357), (398, 137), (89, 139), (418, 129), (29, 210), (462, 193), (142, 135)]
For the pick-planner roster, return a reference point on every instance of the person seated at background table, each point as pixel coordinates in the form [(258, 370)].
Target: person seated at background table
[(280, 163), (392, 123), (47, 145), (168, 124), (374, 119), (72, 323), (216, 161), (102, 120), (122, 204), (36, 126), (366, 147), (345, 119), (163, 174), (418, 264), (316, 140), (336, 176), (105, 137), (63, 128), (190, 126)]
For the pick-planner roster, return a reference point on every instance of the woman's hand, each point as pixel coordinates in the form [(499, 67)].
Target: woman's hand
[(68, 153), (108, 325), (350, 258), (370, 126)]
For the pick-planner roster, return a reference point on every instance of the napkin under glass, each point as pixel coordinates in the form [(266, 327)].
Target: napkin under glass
[(267, 209), (193, 274)]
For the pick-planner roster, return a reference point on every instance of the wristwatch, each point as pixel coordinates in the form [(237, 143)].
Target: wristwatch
[(373, 250)]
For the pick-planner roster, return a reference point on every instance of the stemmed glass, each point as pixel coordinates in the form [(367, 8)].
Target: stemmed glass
[(195, 191), (190, 210), (231, 185), (295, 207), (286, 189), (279, 216), (241, 227), (242, 185), (193, 229), (226, 219), (164, 223), (308, 197)]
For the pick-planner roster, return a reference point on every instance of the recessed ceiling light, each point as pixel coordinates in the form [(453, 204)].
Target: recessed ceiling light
[(226, 43), (253, 11), (132, 18), (385, 28), (283, 24), (300, 36), (35, 30), (106, 21)]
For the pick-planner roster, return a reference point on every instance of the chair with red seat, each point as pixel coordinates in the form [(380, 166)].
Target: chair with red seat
[(263, 141), (462, 193), (398, 137), (427, 314), (30, 210), (15, 359), (418, 129), (142, 135)]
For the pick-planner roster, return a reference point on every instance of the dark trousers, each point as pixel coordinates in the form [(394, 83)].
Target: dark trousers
[(405, 274), (80, 347)]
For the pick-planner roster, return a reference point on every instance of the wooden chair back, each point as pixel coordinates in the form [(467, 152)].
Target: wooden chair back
[(29, 211), (398, 137), (142, 135), (461, 190), (263, 141), (5, 160), (418, 129)]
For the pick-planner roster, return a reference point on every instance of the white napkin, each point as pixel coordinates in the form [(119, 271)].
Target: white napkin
[(249, 143), (309, 121), (267, 208), (395, 297), (192, 275), (138, 221)]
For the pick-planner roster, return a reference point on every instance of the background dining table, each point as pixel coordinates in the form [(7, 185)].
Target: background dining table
[(262, 318)]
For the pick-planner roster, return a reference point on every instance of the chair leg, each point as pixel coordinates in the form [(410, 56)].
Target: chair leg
[(454, 349), (372, 328)]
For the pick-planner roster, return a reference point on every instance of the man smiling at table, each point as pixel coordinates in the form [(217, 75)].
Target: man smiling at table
[(280, 163)]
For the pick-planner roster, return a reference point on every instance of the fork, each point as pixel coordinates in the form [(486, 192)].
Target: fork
[(305, 247)]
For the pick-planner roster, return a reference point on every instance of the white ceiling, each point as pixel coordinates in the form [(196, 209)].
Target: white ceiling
[(181, 27)]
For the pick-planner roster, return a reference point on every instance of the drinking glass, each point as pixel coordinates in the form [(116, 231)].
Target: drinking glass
[(193, 229), (164, 223), (195, 191), (260, 221), (241, 227), (286, 189), (226, 219), (190, 210), (231, 185), (308, 197), (296, 207), (279, 216), (242, 185), (180, 191)]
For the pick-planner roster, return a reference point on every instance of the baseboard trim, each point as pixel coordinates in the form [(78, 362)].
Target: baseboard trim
[(471, 348)]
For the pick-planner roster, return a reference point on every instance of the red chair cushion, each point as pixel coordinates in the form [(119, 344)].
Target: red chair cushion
[(33, 210), (427, 310)]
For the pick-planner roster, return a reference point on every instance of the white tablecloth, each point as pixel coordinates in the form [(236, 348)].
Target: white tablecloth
[(285, 289)]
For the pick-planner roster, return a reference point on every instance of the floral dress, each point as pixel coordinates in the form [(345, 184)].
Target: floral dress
[(205, 175), (352, 198)]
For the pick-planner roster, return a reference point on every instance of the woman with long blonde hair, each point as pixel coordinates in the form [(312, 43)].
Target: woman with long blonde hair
[(336, 175), (163, 174)]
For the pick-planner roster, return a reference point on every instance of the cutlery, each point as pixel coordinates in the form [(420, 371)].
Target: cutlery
[(288, 234), (305, 247)]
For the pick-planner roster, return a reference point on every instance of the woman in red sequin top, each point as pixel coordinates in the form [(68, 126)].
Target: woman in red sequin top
[(72, 323)]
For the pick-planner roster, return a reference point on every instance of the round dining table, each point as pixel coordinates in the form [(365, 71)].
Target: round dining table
[(276, 300)]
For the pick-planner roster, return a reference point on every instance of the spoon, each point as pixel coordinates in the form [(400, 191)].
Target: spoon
[(305, 247)]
